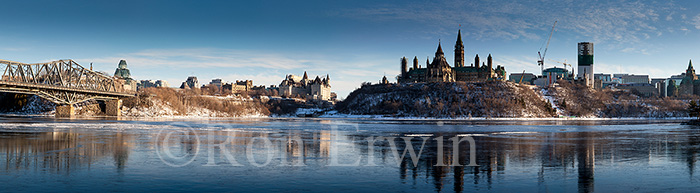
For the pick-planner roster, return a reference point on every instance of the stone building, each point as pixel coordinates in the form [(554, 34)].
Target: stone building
[(239, 86), (190, 83), (123, 73), (295, 86), (672, 88), (152, 84), (217, 82), (439, 70), (385, 80), (690, 83)]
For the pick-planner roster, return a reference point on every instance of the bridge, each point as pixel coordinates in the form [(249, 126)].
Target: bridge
[(65, 83)]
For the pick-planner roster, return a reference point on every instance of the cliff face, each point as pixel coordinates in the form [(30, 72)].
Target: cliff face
[(456, 99), (24, 104)]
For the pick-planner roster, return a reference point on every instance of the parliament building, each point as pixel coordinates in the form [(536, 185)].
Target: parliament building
[(440, 71)]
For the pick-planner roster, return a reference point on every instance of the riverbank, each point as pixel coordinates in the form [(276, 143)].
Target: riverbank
[(505, 100), (450, 101)]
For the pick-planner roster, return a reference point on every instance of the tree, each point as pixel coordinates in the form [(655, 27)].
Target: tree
[(694, 109)]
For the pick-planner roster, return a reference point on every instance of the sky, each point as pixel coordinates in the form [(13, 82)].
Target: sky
[(351, 41)]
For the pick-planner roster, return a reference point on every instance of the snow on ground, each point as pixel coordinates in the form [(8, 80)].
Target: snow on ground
[(550, 98), (335, 114), (162, 109), (308, 111)]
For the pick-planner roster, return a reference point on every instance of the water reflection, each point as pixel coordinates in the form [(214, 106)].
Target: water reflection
[(62, 151), (582, 158)]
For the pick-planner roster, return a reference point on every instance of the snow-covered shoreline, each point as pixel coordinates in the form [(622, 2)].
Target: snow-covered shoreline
[(350, 116)]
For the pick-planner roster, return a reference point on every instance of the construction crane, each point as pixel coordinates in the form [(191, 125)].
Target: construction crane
[(563, 63), (541, 53)]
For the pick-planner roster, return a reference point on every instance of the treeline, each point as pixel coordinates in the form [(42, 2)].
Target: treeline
[(182, 102)]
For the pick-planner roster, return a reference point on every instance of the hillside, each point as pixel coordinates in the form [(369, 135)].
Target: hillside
[(440, 100), (165, 102), (580, 101), (456, 99), (506, 99)]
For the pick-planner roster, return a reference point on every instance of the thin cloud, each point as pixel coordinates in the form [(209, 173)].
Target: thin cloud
[(204, 58), (231, 65), (618, 22)]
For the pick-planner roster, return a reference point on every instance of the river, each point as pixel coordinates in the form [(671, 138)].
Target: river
[(346, 155)]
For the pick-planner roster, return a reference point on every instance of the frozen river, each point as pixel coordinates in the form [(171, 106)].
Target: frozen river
[(347, 155)]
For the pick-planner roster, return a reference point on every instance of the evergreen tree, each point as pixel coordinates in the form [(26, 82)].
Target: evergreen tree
[(694, 109)]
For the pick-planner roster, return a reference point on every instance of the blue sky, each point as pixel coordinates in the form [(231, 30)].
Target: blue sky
[(353, 41)]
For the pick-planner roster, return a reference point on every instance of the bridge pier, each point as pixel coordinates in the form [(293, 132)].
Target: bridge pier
[(113, 107), (65, 111)]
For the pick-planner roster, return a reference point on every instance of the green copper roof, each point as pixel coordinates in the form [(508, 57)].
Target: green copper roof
[(122, 71), (122, 64)]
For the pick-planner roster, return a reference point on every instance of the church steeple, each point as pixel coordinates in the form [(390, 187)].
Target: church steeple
[(305, 76), (459, 50)]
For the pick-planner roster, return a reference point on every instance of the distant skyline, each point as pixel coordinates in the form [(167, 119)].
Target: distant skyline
[(352, 41)]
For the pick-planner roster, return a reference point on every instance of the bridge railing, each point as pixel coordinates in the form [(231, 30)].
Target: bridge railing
[(60, 73)]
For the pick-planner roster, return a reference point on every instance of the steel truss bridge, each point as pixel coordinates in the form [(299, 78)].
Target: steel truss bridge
[(63, 82)]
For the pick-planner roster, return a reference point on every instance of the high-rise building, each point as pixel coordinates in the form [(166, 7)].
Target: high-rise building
[(585, 63)]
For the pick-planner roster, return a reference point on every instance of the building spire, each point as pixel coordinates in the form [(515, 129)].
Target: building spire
[(459, 50), (459, 37), (415, 62), (305, 76), (489, 63), (690, 64), (690, 71), (439, 50)]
